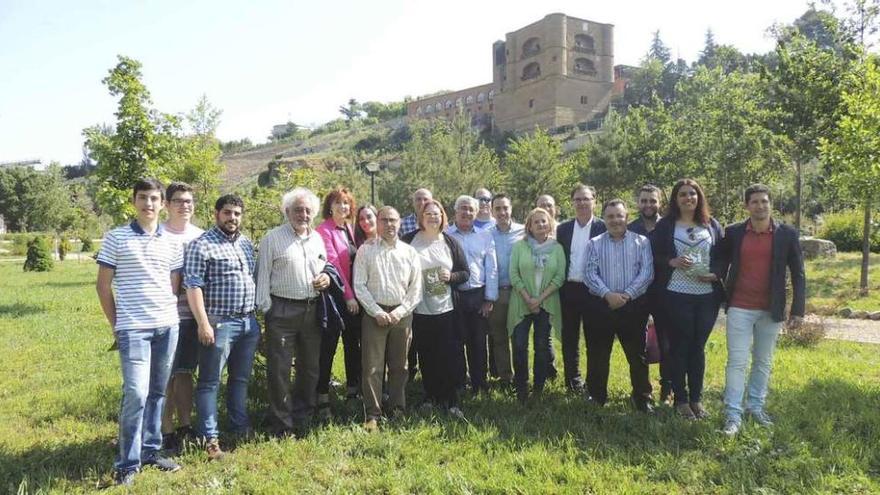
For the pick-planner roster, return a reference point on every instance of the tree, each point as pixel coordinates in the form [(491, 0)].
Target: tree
[(659, 51), (351, 112), (39, 255), (709, 48), (143, 142), (199, 164), (853, 150), (34, 200), (535, 165)]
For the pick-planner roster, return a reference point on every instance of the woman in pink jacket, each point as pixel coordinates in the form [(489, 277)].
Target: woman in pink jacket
[(336, 231)]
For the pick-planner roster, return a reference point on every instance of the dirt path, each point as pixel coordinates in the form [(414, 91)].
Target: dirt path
[(865, 331)]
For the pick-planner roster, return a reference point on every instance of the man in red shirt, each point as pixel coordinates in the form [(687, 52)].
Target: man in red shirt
[(754, 256)]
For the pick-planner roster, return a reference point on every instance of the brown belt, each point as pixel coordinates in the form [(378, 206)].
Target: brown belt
[(388, 309)]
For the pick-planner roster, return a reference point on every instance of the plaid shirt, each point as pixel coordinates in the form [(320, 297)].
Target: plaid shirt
[(223, 267), (407, 225)]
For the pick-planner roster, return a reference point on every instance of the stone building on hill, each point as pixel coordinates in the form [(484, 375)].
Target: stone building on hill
[(556, 72)]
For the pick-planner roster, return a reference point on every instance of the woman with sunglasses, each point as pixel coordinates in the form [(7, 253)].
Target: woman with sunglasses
[(684, 244)]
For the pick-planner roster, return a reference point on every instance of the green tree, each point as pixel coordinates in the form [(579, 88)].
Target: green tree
[(199, 156), (853, 149), (351, 112), (34, 200), (143, 142), (535, 165), (39, 255)]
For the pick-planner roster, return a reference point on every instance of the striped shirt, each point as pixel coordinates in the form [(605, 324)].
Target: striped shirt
[(223, 267), (625, 266), (388, 274), (183, 238), (288, 264), (479, 249), (142, 280)]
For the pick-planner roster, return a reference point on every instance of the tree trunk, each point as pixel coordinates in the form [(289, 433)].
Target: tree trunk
[(866, 249), (798, 194)]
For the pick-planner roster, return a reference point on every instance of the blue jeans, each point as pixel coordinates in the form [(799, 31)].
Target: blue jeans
[(146, 357), (748, 331), (690, 318), (235, 343), (520, 338)]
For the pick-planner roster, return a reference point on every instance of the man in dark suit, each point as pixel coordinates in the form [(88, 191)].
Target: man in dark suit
[(753, 259), (574, 295)]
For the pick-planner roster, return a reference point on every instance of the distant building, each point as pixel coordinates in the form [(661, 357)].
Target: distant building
[(558, 71)]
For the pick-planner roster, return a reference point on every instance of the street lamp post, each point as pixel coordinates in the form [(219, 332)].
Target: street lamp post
[(372, 169)]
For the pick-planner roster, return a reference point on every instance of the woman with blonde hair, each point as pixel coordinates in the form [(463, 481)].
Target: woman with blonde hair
[(537, 271)]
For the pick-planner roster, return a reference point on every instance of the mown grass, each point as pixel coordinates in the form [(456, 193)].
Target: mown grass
[(833, 284), (59, 393)]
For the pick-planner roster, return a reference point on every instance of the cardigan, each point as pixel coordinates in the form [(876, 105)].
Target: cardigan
[(663, 248), (522, 276), (336, 244)]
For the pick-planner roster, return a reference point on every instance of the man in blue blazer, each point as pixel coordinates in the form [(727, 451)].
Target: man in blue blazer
[(574, 295)]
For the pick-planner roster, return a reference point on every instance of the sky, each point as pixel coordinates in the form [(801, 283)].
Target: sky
[(266, 62)]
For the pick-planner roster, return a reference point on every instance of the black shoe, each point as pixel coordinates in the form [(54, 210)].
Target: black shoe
[(185, 432), (594, 402), (666, 393), (642, 405), (576, 386), (171, 441), (162, 463), (124, 478)]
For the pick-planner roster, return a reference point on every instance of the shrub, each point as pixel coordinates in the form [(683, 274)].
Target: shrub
[(808, 334), (87, 244), (64, 247), (844, 229), (39, 256)]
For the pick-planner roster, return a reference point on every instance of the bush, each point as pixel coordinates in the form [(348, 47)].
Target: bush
[(39, 256), (808, 334), (844, 229), (87, 244), (64, 247)]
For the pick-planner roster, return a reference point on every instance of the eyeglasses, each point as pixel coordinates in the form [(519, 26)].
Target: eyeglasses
[(179, 202), (485, 200)]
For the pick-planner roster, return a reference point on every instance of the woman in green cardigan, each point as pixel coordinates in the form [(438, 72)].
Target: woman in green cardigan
[(537, 271)]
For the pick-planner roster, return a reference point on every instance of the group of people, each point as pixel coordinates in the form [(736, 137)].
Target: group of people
[(455, 300)]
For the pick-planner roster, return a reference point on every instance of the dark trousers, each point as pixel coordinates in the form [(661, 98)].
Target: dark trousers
[(520, 341), (351, 347), (435, 337), (628, 324), (691, 318), (574, 298), (661, 327), (292, 337), (472, 339)]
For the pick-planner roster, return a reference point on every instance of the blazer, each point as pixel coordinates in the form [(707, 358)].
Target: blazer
[(786, 252), (565, 231), (460, 272), (331, 302), (336, 245), (663, 247)]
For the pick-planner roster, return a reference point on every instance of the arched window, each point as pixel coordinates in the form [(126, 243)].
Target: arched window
[(438, 107), (469, 100), (584, 66), (448, 104), (531, 71), (584, 43), (429, 109), (491, 94), (481, 97), (531, 47)]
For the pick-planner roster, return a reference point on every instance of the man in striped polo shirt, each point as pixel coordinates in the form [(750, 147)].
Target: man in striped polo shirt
[(220, 288), (619, 270), (141, 264)]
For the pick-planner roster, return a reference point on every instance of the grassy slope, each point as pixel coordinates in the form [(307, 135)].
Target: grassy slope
[(59, 392)]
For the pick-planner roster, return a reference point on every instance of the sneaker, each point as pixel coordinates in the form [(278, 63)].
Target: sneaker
[(455, 412), (731, 427), (642, 405), (761, 418), (162, 463), (215, 453), (684, 410), (699, 411), (124, 478), (371, 426)]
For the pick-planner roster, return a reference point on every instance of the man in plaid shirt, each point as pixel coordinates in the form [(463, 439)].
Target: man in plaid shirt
[(219, 280)]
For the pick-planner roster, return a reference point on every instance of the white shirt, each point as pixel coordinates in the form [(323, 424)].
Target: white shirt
[(287, 264), (580, 236), (189, 233), (437, 295), (387, 274)]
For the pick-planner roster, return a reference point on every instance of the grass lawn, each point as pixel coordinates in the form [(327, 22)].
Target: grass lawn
[(833, 284), (60, 389)]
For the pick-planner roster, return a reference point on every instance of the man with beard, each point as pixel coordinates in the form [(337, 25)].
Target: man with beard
[(650, 203), (219, 280)]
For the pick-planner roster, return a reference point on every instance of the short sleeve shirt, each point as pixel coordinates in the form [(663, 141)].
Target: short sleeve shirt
[(436, 294), (142, 280)]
